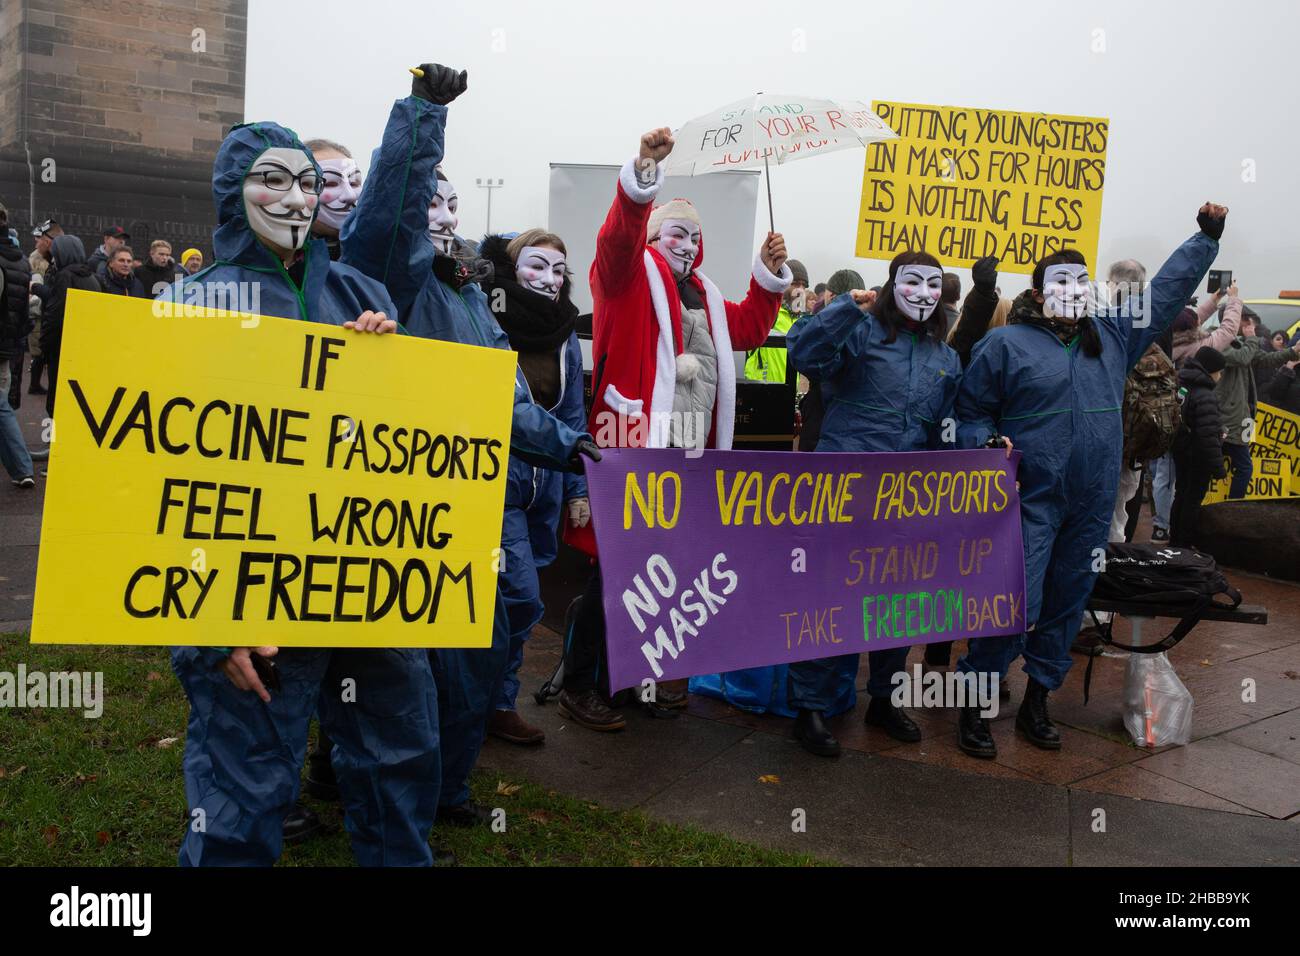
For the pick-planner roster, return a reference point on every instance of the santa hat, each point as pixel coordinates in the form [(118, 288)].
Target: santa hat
[(682, 209)]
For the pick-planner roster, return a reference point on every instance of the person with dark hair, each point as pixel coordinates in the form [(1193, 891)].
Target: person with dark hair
[(1198, 447), (889, 380), (115, 237), (1238, 397), (812, 407), (951, 296), (1283, 390), (820, 296), (1053, 381), (983, 309), (68, 270), (15, 323), (120, 279)]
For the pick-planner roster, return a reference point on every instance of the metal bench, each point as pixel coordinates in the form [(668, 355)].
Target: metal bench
[(1138, 613)]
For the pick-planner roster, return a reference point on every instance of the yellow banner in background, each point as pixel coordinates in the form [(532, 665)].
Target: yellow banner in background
[(1277, 434), (964, 183), (224, 480), (1270, 479)]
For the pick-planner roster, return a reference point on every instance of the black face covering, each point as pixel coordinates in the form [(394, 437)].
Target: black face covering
[(690, 295), (450, 271), (534, 322)]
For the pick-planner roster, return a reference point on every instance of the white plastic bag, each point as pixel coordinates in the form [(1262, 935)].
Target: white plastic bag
[(1157, 707)]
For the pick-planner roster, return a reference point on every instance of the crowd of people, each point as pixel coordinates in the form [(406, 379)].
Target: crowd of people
[(35, 287), (1050, 374)]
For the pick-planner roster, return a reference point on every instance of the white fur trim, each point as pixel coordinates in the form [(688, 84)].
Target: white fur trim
[(631, 407), (724, 408), (661, 399), (633, 188), (772, 283), (688, 367)]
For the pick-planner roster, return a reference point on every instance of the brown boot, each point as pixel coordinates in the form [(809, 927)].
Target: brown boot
[(509, 726), (587, 709)]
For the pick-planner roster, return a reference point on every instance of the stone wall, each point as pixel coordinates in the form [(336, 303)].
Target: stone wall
[(121, 106)]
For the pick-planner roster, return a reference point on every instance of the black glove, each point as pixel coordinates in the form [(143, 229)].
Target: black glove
[(984, 273), (584, 447), (440, 84), (1210, 226)]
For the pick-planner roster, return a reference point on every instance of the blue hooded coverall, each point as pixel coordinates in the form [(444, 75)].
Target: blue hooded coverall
[(545, 512), (243, 757), (387, 238), (880, 396), (1061, 408)]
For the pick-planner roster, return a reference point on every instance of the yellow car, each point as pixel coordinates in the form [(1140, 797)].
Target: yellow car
[(1278, 315)]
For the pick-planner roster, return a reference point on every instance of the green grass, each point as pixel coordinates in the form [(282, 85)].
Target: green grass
[(82, 792)]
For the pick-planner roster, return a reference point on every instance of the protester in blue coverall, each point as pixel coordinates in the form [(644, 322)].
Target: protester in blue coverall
[(244, 744), (889, 379), (529, 288), (1053, 381), (402, 234)]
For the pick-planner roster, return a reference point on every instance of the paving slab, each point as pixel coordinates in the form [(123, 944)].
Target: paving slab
[(1145, 833), (620, 770), (869, 810), (1239, 774), (1132, 781), (1279, 736)]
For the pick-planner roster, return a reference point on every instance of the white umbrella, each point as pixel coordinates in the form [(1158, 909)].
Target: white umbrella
[(771, 126)]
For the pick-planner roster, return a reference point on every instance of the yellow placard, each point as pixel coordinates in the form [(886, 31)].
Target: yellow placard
[(227, 480), (963, 183), (1277, 434), (1270, 479)]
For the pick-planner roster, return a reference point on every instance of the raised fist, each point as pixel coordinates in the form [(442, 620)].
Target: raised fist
[(984, 273), (657, 144), (864, 299), (437, 83)]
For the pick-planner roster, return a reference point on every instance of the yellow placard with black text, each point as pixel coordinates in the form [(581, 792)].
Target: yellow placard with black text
[(963, 183), (234, 480)]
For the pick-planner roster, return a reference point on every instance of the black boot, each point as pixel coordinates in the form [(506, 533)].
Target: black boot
[(973, 734), (1033, 721), (300, 823), (810, 730), (467, 814), (894, 721)]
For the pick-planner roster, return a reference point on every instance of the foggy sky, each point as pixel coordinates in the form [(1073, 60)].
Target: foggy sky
[(1193, 91)]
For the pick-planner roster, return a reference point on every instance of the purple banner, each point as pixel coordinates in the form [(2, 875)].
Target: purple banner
[(733, 559)]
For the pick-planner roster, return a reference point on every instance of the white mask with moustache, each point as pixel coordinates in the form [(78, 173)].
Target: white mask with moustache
[(1066, 291), (442, 217), (917, 290), (541, 269), (679, 244), (342, 188), (280, 197)]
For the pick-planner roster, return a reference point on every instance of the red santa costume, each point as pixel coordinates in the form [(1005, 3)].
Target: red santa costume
[(637, 348)]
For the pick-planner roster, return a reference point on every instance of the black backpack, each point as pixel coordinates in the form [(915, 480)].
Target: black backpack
[(1181, 579)]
